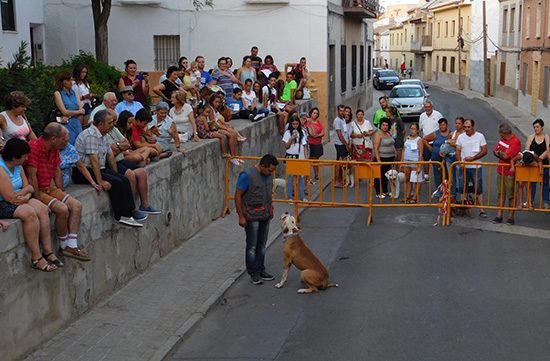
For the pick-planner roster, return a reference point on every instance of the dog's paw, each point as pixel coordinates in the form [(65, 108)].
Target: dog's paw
[(304, 290), (279, 285)]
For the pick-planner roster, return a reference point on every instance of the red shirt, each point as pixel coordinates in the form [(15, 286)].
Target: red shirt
[(511, 147), (137, 132), (318, 126), (45, 162)]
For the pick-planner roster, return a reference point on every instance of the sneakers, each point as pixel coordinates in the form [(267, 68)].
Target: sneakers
[(497, 220), (251, 117), (266, 276), (256, 280), (259, 116), (130, 221), (381, 196), (139, 215), (236, 161), (149, 210)]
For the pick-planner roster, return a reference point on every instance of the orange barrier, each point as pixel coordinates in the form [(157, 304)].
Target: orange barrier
[(525, 178), (355, 179)]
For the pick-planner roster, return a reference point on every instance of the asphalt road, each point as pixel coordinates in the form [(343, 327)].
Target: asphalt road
[(408, 290)]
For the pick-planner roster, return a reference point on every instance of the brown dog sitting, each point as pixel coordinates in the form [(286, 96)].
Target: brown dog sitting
[(297, 253)]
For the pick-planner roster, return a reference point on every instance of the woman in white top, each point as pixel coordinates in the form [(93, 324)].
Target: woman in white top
[(13, 123), (295, 142), (361, 132), (81, 88), (412, 152), (184, 117)]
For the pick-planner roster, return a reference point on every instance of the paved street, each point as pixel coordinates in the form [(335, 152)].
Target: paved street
[(408, 290)]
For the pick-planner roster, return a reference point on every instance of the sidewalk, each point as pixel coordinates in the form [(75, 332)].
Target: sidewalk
[(518, 118), (151, 314)]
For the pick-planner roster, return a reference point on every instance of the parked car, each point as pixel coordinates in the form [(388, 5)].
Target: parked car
[(415, 82), (385, 79), (408, 99)]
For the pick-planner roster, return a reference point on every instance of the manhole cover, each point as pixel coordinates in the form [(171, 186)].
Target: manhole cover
[(416, 219)]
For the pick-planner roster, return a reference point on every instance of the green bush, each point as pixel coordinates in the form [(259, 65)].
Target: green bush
[(37, 82)]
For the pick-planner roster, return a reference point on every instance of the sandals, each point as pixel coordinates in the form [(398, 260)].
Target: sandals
[(57, 262), (47, 268)]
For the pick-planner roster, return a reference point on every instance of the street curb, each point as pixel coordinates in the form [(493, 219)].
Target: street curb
[(517, 130), (198, 315)]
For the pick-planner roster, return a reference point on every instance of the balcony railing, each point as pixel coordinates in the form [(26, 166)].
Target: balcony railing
[(362, 9), (425, 44), (427, 40)]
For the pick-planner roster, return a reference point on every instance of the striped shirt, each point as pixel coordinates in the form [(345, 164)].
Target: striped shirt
[(90, 142)]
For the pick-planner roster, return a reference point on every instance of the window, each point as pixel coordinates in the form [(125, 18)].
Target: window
[(446, 29), (528, 22), (439, 29), (453, 28), (353, 66), (362, 63), (539, 20), (167, 50), (8, 15), (444, 64), (519, 17), (453, 64), (512, 19), (502, 73), (505, 21), (343, 68), (546, 88)]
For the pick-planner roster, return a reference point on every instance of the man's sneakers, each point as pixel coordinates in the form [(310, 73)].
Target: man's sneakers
[(263, 276), (130, 221), (139, 215), (258, 116), (149, 210)]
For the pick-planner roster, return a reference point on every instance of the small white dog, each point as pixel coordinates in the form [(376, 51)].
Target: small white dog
[(395, 179)]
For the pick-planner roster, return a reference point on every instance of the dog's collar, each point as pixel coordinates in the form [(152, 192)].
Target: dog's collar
[(287, 236)]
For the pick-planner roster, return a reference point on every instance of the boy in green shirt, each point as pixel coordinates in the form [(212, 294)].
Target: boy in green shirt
[(289, 91)]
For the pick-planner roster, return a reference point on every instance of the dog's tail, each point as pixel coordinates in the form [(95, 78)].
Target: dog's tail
[(332, 285)]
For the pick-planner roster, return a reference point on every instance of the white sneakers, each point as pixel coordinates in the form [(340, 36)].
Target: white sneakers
[(130, 221), (259, 116), (237, 161)]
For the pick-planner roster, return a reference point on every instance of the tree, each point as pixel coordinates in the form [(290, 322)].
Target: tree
[(101, 10)]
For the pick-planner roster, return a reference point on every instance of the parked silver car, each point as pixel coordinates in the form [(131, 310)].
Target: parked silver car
[(408, 99), (415, 82)]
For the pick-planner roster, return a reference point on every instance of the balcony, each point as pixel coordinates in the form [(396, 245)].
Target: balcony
[(422, 46), (362, 9)]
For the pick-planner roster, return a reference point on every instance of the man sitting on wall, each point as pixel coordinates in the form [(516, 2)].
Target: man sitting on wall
[(128, 102), (41, 168)]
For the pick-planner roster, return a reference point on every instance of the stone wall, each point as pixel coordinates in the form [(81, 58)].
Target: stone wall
[(190, 191)]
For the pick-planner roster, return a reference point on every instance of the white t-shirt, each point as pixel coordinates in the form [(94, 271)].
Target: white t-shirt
[(429, 124), (265, 91), (81, 90), (183, 124), (360, 128), (470, 146), (296, 147), (340, 124), (249, 99)]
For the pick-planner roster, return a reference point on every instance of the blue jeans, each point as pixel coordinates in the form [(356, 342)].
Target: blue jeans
[(545, 195), (256, 239), (471, 181), (301, 187)]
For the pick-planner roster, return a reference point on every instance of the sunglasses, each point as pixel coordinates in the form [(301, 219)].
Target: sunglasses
[(130, 93)]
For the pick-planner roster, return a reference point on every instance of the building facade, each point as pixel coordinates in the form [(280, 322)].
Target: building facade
[(507, 67), (451, 58), (534, 83), (22, 20), (421, 44)]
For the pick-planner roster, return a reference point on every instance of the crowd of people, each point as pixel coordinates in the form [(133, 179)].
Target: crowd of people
[(107, 145)]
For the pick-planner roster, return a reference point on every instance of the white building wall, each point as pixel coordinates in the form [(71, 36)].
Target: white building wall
[(211, 32), (27, 13), (476, 39)]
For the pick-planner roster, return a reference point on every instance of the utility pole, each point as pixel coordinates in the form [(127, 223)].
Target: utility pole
[(459, 40), (486, 69)]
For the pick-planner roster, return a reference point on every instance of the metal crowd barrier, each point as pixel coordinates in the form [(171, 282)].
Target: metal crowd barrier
[(360, 194)]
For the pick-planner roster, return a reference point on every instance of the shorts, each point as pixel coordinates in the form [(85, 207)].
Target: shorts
[(123, 165), (7, 209), (506, 186), (341, 151), (49, 195), (316, 150)]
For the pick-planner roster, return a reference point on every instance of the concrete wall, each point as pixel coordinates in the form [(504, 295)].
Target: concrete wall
[(477, 76), (190, 191)]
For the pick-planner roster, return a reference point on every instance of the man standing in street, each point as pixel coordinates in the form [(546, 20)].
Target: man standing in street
[(506, 149), (471, 146), (341, 143), (380, 113), (428, 123), (253, 201)]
